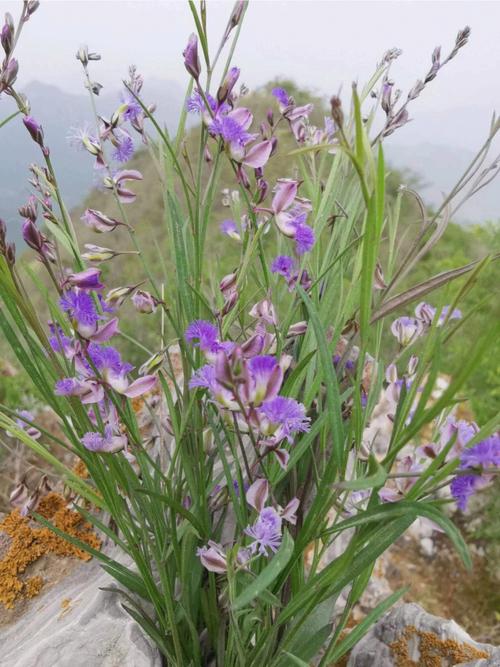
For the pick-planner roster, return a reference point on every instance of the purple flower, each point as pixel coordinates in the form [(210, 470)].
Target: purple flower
[(283, 265), (304, 239), (205, 333), (81, 308), (133, 108), (107, 442), (463, 487), (263, 379), (229, 228), (124, 149), (282, 417), (406, 329), (196, 103), (486, 453), (282, 96), (266, 532), (144, 302), (230, 130)]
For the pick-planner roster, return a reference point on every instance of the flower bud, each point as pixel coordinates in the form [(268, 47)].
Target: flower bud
[(9, 74), (32, 237), (32, 6), (35, 129), (89, 279), (191, 59), (117, 296), (230, 303), (228, 84), (29, 210), (153, 364), (297, 329), (98, 221), (337, 113), (7, 34), (228, 283), (96, 253), (144, 302)]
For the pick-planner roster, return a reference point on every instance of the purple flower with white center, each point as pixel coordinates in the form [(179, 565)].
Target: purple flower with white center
[(282, 418), (124, 149), (229, 228), (304, 239), (283, 265), (108, 362), (205, 378), (81, 308), (263, 379), (266, 532), (406, 330), (208, 338), (107, 442)]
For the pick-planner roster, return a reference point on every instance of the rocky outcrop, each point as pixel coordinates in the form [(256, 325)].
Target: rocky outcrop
[(75, 624), (410, 637)]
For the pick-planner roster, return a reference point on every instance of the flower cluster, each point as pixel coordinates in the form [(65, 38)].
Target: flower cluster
[(99, 368), (245, 383)]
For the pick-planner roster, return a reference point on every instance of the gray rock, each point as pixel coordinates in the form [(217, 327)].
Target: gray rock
[(74, 624), (408, 635)]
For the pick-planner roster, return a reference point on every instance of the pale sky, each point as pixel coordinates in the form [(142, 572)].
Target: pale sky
[(321, 44)]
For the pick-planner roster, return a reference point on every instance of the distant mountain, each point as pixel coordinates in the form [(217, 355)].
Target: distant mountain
[(439, 167), (58, 112), (438, 163)]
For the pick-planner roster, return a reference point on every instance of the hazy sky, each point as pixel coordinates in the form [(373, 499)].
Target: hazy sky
[(319, 44)]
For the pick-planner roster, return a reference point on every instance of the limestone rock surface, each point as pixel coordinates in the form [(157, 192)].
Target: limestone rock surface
[(409, 637), (74, 624)]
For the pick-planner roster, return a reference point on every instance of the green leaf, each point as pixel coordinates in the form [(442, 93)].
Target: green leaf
[(376, 478), (268, 574)]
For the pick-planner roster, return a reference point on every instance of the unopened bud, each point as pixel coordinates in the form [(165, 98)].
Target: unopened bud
[(191, 59), (7, 34), (337, 113), (230, 303), (228, 283), (228, 84), (35, 129), (144, 302), (297, 329)]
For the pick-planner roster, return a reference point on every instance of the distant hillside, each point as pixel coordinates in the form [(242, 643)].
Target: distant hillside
[(59, 112)]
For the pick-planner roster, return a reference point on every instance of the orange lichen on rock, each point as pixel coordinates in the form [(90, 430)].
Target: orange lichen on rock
[(80, 469), (29, 542), (433, 651)]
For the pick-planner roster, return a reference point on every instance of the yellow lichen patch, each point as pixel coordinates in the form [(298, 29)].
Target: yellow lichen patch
[(80, 469), (28, 543), (433, 651)]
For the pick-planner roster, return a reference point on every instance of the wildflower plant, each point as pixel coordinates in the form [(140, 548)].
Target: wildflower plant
[(282, 453)]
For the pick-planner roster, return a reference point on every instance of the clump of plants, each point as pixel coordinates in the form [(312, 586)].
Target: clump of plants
[(267, 452)]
